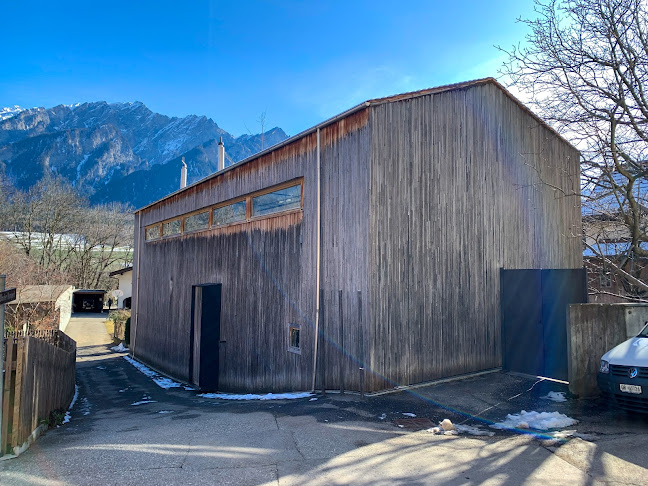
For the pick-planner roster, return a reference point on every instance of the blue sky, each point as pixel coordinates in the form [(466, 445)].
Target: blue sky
[(300, 62)]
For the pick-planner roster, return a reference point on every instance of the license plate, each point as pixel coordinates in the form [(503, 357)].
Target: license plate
[(636, 389)]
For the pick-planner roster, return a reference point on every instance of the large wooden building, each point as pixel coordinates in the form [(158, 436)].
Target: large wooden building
[(373, 240)]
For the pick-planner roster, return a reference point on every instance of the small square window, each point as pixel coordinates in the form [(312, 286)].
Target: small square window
[(293, 339)]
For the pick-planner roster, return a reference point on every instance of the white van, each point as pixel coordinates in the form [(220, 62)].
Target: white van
[(623, 374)]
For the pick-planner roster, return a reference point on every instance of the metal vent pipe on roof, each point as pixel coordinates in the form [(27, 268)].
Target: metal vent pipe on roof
[(183, 174), (221, 154)]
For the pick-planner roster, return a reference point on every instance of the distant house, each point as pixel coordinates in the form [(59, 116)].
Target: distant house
[(607, 236), (373, 240), (40, 307), (125, 285)]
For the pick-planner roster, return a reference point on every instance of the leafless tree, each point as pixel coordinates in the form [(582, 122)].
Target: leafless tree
[(584, 69), (262, 122), (57, 229)]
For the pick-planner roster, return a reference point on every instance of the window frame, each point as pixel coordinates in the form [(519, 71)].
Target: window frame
[(151, 226), (194, 213), (224, 204), (294, 349), (275, 189), (169, 221), (298, 181)]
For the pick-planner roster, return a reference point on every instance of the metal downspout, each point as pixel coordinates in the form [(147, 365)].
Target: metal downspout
[(137, 303), (317, 261)]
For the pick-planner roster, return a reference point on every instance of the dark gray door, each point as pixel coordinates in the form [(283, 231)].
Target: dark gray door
[(205, 316), (534, 307), (521, 294)]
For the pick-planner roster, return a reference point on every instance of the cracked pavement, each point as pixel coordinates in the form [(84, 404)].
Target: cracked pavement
[(180, 438)]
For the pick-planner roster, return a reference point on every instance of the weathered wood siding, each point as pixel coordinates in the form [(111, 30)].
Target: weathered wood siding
[(267, 267), (345, 156), (461, 185)]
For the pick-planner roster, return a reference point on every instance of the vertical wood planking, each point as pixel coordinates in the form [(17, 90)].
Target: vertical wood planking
[(462, 188), (39, 379)]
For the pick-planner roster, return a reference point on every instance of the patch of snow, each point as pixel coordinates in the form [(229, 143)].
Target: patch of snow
[(535, 420), (101, 367), (160, 381), (312, 400), (189, 388), (119, 349), (567, 434), (408, 414), (10, 111), (555, 397), (473, 430), (383, 416), (401, 426), (74, 398), (142, 402), (67, 418), (165, 411), (250, 396)]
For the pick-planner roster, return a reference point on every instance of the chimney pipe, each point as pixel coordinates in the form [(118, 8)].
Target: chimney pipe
[(183, 174), (221, 154)]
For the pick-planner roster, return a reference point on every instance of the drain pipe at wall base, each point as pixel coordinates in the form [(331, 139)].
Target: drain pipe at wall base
[(317, 260)]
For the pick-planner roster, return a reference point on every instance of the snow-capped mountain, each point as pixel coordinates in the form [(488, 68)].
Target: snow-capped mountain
[(96, 145), (10, 111)]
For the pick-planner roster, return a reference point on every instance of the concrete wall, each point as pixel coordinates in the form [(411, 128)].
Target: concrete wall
[(64, 305), (592, 330)]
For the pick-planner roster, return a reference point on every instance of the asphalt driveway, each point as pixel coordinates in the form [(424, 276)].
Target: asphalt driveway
[(124, 429)]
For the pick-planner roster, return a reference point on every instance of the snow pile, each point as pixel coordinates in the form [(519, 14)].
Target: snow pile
[(68, 416), (160, 381), (142, 402), (535, 420), (120, 349), (250, 396), (555, 397), (473, 430), (145, 399), (74, 398)]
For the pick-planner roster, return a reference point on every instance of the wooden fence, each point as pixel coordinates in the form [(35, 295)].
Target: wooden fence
[(39, 378)]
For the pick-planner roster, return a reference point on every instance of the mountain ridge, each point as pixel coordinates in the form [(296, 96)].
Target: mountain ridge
[(114, 152)]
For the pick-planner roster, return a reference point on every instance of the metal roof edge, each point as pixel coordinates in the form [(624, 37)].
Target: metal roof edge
[(274, 147), (367, 104)]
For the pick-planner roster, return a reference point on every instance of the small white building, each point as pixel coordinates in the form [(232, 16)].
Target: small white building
[(41, 306), (125, 286)]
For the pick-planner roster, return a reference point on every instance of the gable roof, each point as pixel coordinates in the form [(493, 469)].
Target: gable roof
[(121, 271), (361, 106), (30, 294)]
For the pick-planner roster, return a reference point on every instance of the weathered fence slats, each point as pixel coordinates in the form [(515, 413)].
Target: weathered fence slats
[(39, 378)]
